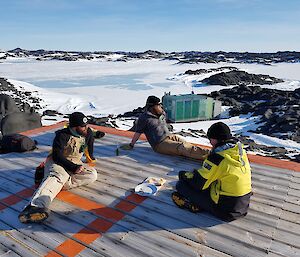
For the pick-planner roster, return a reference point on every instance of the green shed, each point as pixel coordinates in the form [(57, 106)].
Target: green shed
[(190, 107)]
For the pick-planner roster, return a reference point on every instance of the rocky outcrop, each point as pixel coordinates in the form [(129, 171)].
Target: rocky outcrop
[(236, 77), (180, 57), (205, 71), (250, 145), (135, 113), (21, 97), (279, 110), (7, 105)]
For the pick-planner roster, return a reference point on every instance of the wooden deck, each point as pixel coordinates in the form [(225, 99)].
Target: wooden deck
[(107, 219)]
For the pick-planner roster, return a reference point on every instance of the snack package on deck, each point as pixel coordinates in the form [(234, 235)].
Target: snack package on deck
[(149, 186)]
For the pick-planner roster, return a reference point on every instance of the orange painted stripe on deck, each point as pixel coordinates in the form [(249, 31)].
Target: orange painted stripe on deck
[(126, 206), (100, 225), (268, 161), (53, 254), (2, 206), (95, 229), (87, 235), (28, 192), (137, 199), (44, 129), (113, 131), (89, 205), (71, 247), (14, 199)]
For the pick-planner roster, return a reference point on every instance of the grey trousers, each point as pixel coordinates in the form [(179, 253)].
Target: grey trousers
[(56, 179)]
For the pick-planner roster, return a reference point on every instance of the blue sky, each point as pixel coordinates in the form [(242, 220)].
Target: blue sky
[(139, 25)]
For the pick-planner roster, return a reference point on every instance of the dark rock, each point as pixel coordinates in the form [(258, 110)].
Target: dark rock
[(240, 78), (26, 108), (50, 113), (103, 121), (7, 105), (20, 121), (268, 113), (296, 158), (135, 113)]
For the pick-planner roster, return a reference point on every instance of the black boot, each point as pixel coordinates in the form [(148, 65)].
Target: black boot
[(33, 214), (184, 203)]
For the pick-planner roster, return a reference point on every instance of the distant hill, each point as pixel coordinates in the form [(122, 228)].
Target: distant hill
[(180, 57)]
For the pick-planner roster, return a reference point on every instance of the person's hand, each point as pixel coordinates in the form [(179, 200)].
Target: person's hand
[(79, 170), (126, 146), (92, 162), (185, 175), (99, 134)]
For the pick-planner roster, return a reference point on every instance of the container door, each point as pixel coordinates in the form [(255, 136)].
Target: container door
[(179, 110), (195, 109), (209, 108), (202, 109), (187, 110)]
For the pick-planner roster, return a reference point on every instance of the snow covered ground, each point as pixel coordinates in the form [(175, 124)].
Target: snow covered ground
[(100, 88)]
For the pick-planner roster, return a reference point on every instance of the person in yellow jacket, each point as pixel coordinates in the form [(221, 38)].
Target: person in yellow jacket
[(222, 186)]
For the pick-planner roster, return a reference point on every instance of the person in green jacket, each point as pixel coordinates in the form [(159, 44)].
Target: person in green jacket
[(222, 186)]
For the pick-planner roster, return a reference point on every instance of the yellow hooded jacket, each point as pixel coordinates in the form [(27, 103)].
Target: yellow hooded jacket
[(227, 172)]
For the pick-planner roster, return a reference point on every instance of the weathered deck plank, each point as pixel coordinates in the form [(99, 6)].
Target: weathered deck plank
[(156, 226)]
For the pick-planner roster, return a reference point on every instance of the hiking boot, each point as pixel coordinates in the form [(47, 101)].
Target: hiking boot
[(193, 208), (178, 199), (33, 214), (184, 203), (99, 134)]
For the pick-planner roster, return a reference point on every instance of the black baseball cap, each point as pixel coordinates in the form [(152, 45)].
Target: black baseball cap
[(152, 100), (77, 119)]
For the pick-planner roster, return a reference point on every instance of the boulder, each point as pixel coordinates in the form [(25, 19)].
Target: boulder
[(7, 105), (240, 78), (20, 121)]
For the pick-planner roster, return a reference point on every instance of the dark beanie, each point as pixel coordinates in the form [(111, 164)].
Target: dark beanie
[(77, 119), (219, 131), (152, 100)]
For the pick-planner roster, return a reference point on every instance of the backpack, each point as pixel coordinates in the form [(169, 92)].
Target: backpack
[(39, 173), (16, 143)]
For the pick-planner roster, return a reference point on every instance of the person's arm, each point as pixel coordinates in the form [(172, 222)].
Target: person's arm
[(139, 129), (201, 179), (208, 173), (135, 138), (89, 150), (130, 146), (97, 133)]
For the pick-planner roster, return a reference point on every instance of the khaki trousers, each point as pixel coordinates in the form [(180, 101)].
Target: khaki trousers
[(176, 145), (56, 179)]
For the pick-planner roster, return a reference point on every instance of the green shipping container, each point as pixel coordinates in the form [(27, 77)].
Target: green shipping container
[(190, 107)]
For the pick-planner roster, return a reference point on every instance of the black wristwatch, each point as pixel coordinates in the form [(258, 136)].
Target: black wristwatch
[(131, 145)]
